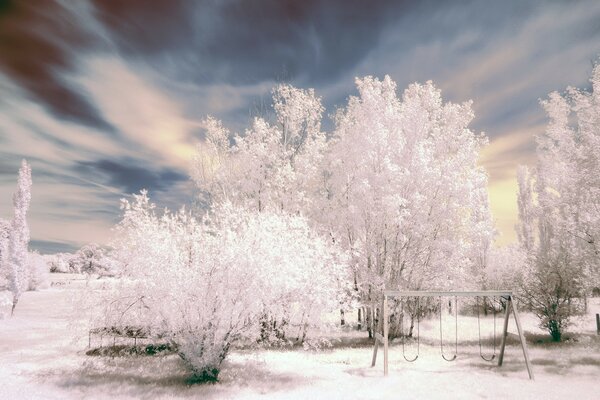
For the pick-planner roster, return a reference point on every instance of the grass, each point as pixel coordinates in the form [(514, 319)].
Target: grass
[(128, 350)]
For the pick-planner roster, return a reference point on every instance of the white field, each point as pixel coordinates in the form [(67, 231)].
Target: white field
[(39, 359)]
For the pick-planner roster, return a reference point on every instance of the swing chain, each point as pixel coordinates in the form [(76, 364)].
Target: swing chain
[(455, 332), (479, 331), (402, 330)]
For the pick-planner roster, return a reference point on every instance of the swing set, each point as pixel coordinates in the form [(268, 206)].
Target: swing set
[(382, 331)]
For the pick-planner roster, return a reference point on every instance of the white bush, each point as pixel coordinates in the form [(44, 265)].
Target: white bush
[(203, 284), (38, 272)]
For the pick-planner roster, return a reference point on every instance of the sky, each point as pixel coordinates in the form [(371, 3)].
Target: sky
[(105, 98)]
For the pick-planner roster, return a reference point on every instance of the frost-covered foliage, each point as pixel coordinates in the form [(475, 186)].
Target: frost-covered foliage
[(274, 167), (14, 238), (4, 269), (90, 259), (504, 268), (559, 207), (20, 270), (203, 284), (396, 185), (405, 193)]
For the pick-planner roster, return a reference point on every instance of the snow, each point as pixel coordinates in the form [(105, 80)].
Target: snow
[(40, 359)]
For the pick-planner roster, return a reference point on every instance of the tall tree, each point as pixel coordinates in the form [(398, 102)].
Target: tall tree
[(406, 195), (559, 207), (18, 241)]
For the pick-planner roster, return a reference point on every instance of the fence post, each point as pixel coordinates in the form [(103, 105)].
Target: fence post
[(598, 324)]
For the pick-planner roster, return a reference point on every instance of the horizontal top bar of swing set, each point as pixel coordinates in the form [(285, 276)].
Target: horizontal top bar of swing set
[(434, 293)]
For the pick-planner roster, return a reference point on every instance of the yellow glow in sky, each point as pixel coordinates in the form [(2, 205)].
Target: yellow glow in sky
[(501, 159)]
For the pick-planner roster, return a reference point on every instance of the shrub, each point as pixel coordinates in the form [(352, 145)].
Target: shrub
[(202, 284)]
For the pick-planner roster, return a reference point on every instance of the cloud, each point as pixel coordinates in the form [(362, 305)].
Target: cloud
[(146, 118), (36, 44), (50, 247), (246, 42), (130, 177), (80, 173), (504, 153)]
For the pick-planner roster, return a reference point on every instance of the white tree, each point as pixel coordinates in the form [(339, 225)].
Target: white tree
[(406, 196), (15, 249), (60, 262), (91, 259), (272, 166), (559, 207)]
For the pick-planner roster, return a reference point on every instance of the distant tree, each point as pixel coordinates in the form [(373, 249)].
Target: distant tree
[(559, 208), (60, 262), (91, 259)]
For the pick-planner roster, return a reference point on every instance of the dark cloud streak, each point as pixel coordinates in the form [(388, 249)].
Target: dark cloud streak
[(132, 176), (36, 44), (52, 247), (245, 42)]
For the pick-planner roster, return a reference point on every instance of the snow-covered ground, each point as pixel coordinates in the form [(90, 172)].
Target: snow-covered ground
[(40, 359)]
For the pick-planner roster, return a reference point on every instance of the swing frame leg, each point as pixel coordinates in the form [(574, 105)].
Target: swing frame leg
[(523, 345), (376, 334), (382, 325), (511, 306), (504, 331), (386, 331)]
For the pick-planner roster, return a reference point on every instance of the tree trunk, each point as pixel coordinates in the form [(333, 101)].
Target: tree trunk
[(359, 318), (555, 330), (369, 322)]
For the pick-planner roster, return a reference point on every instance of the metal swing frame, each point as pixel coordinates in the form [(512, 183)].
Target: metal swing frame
[(382, 330)]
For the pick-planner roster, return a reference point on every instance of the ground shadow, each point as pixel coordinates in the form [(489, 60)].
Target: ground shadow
[(158, 377)]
